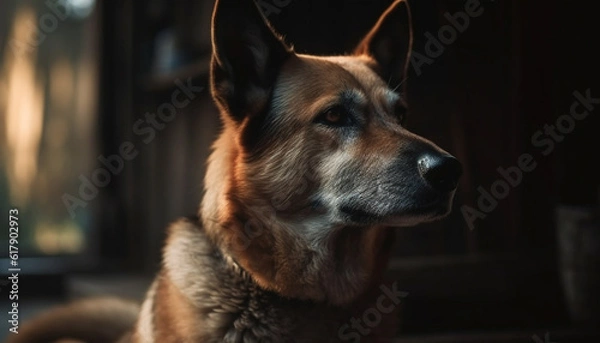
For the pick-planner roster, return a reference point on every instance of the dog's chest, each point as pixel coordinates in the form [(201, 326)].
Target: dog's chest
[(201, 294), (265, 319), (242, 313)]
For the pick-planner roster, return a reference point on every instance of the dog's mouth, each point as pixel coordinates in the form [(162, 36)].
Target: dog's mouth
[(407, 215), (401, 197)]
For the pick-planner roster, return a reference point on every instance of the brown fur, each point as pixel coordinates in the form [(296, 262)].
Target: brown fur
[(312, 169)]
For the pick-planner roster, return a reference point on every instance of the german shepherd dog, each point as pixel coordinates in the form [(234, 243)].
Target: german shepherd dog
[(310, 173)]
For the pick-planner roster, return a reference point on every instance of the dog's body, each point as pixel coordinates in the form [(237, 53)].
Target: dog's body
[(311, 170)]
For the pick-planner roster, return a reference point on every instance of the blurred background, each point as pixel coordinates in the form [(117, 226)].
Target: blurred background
[(96, 175)]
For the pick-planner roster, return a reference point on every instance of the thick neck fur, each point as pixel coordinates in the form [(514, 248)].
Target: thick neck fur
[(307, 260), (229, 306)]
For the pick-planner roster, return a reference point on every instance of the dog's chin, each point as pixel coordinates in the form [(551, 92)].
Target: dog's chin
[(406, 216)]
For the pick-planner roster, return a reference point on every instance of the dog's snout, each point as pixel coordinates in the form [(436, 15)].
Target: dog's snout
[(440, 171)]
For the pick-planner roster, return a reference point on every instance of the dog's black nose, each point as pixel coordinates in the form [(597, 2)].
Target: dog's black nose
[(440, 171)]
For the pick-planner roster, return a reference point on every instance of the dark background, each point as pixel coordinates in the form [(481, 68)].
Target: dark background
[(513, 70)]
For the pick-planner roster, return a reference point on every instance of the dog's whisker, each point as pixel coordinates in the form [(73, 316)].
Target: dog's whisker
[(400, 84)]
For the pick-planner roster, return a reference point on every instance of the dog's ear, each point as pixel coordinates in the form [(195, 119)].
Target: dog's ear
[(247, 55), (389, 42)]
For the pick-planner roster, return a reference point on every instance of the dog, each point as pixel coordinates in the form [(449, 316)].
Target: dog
[(311, 172)]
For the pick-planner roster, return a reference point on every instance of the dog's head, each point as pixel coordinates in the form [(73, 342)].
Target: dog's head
[(317, 145)]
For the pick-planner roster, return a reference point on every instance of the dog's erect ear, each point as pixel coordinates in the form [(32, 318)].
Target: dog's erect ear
[(247, 56), (389, 42)]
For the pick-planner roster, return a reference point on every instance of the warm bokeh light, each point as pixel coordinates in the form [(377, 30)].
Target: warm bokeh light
[(24, 109), (60, 238), (48, 92)]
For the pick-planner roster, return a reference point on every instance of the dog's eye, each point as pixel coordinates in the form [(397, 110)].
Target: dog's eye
[(334, 117)]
